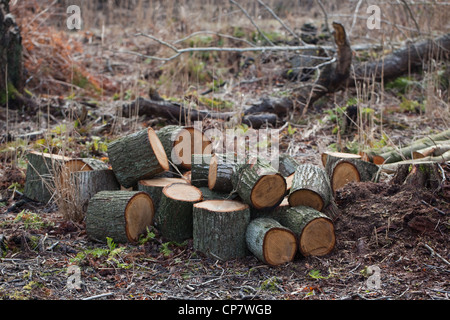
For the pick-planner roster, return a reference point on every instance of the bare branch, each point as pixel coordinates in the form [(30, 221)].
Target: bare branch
[(281, 22), (253, 22)]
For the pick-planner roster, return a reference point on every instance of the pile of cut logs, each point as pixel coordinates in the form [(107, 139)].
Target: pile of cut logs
[(228, 208)]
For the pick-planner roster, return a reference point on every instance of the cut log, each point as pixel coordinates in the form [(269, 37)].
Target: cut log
[(216, 195), (180, 143), (314, 230), (259, 185), (328, 157), (40, 176), (433, 151), (137, 156), (347, 170), (287, 165), (393, 167), (174, 217), (48, 174), (120, 215), (155, 186), (270, 242), (83, 186), (219, 228), (221, 169), (310, 187), (200, 169)]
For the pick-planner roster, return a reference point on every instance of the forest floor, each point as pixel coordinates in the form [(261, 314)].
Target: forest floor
[(400, 231)]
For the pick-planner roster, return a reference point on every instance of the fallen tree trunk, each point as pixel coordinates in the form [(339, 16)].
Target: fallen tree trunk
[(270, 242), (219, 228), (412, 57), (120, 215)]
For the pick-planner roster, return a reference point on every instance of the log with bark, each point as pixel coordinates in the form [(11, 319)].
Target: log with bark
[(271, 242), (181, 142), (48, 173), (155, 186), (120, 215), (259, 185), (200, 169), (137, 156), (221, 170), (86, 184), (414, 56), (174, 217), (219, 228), (310, 187), (314, 230), (343, 168)]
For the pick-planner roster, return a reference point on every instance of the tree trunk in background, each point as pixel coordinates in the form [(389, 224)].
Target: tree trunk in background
[(11, 69)]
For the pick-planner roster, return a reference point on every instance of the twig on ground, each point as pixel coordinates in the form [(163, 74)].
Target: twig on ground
[(435, 253)]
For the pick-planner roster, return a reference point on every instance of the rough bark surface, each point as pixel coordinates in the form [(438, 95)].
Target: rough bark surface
[(219, 228)]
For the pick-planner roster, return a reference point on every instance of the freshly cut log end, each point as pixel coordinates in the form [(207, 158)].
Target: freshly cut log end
[(174, 216), (270, 242), (221, 169), (305, 197), (120, 215), (318, 238), (139, 214), (181, 142), (137, 157), (349, 170), (310, 187), (219, 228), (313, 229), (269, 191), (344, 172), (155, 186), (340, 155)]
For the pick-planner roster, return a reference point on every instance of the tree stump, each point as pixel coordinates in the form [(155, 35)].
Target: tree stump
[(221, 169), (310, 187), (174, 217), (259, 185), (138, 156), (181, 142), (120, 215), (419, 175), (155, 186), (270, 242), (314, 230), (219, 228)]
